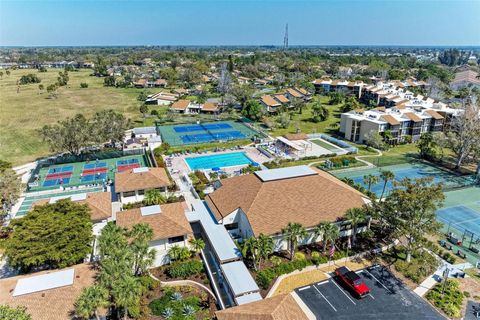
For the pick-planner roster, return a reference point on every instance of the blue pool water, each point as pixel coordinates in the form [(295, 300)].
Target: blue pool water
[(218, 161)]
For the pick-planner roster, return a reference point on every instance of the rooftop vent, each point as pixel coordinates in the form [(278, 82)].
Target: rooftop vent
[(140, 170), (146, 211)]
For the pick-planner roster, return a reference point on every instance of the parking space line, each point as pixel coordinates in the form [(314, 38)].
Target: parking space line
[(320, 283), (346, 295), (371, 296), (378, 281), (307, 287), (325, 298)]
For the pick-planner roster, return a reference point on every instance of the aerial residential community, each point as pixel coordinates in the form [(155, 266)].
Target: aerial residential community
[(231, 167)]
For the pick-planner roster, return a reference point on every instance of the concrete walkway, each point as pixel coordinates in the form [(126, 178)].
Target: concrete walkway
[(437, 276)]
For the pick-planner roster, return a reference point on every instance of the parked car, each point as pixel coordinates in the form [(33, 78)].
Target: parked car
[(353, 281)]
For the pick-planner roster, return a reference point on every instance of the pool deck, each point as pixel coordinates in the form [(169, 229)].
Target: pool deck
[(179, 164)]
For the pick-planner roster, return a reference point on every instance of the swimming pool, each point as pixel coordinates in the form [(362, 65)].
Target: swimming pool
[(407, 170), (218, 161)]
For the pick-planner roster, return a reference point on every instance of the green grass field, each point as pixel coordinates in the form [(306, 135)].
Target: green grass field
[(24, 112), (306, 125)]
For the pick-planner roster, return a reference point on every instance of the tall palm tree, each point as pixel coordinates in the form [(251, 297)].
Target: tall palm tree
[(91, 299), (355, 216), (265, 246), (370, 180), (328, 231), (153, 197), (293, 233), (386, 176), (250, 249), (197, 245), (126, 293), (143, 255)]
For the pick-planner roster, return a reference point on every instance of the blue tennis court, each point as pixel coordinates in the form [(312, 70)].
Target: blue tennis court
[(461, 217), (54, 182), (94, 177), (202, 127), (212, 136), (125, 162), (189, 134), (88, 166), (60, 169)]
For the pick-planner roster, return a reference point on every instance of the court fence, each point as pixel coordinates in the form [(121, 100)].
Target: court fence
[(333, 140)]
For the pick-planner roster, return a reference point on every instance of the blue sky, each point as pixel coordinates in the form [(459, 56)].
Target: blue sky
[(254, 22)]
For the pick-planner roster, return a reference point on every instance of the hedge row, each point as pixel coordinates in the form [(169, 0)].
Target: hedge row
[(185, 269)]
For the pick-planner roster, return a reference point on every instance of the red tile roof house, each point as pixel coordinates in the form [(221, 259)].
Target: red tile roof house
[(168, 222), (131, 185), (266, 201)]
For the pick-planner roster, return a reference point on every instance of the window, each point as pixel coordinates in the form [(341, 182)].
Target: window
[(175, 239), (129, 194), (141, 192), (231, 226)]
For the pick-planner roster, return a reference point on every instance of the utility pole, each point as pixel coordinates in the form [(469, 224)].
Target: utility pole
[(285, 39)]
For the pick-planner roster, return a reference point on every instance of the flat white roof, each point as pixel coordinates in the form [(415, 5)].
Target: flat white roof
[(220, 239), (44, 282), (239, 279), (145, 130), (247, 298), (146, 211), (140, 170), (289, 143), (73, 197), (285, 173)]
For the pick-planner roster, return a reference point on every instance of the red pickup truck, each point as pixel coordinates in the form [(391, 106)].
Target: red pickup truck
[(353, 281)]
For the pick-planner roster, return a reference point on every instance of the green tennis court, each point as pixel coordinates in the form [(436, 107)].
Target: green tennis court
[(83, 173), (325, 145)]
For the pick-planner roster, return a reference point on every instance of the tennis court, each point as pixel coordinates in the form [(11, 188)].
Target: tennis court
[(326, 145), (82, 173), (177, 135), (460, 215), (407, 170)]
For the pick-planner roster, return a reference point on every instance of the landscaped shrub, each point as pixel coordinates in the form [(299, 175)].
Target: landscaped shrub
[(83, 85), (185, 269), (299, 256), (275, 260), (171, 308), (421, 265), (266, 276), (450, 301), (450, 258), (29, 78), (317, 258)]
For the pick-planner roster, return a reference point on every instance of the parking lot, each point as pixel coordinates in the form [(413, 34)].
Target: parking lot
[(388, 299)]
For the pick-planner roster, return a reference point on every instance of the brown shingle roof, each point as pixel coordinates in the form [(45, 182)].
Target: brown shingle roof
[(434, 114), (100, 204), (170, 222), (281, 307), (270, 206), (181, 105), (210, 106), (282, 98), (412, 116), (131, 181), (52, 304), (270, 101), (390, 119), (294, 93)]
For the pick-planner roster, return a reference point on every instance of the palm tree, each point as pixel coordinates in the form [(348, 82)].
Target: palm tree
[(126, 293), (153, 197), (91, 299), (370, 180), (319, 112), (386, 176), (143, 256), (328, 231), (251, 250), (197, 245), (265, 246), (293, 233), (355, 216)]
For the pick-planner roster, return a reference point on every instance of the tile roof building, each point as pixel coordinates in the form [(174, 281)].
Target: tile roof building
[(280, 307), (465, 78), (47, 303), (270, 199), (130, 185), (168, 222)]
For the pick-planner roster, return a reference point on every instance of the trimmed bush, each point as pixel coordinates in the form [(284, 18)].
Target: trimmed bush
[(299, 256), (185, 269), (265, 277), (450, 301)]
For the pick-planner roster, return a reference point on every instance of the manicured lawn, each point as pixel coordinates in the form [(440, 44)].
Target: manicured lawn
[(24, 112), (306, 125), (395, 155)]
